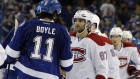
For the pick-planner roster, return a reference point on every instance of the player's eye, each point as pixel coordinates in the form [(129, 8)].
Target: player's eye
[(111, 36), (75, 19), (81, 20)]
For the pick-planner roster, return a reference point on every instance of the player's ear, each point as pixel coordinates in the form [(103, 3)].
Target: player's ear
[(88, 24)]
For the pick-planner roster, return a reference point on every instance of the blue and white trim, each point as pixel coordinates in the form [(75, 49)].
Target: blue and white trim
[(11, 67), (12, 53), (66, 63), (34, 73)]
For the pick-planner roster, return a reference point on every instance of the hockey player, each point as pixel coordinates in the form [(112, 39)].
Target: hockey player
[(2, 59), (3, 67), (90, 59), (46, 48), (2, 70), (127, 37), (95, 24), (124, 51), (113, 61), (10, 72)]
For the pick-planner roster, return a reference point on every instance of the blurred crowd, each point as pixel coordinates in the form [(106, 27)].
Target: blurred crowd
[(112, 13)]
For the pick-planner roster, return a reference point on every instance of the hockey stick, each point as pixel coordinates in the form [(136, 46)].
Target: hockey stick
[(16, 26), (8, 71), (134, 76)]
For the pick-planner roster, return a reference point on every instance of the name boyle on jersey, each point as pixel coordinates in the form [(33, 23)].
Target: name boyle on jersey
[(41, 29)]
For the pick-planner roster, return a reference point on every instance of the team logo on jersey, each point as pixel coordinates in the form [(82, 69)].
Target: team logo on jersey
[(78, 54), (123, 61)]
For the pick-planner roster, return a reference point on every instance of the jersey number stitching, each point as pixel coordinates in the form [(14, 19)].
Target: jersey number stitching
[(36, 54)]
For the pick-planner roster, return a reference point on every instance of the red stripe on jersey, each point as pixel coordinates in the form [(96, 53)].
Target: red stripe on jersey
[(79, 50), (100, 77), (122, 58), (73, 34), (124, 64), (107, 40), (139, 51), (128, 44), (97, 39)]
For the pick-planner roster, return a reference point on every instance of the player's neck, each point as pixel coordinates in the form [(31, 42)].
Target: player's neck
[(84, 34), (118, 47)]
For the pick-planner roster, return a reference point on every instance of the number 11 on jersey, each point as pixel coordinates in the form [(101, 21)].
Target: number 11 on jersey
[(36, 54)]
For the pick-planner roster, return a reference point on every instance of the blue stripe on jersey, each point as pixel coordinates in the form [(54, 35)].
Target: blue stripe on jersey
[(12, 53), (66, 64), (10, 59), (67, 68)]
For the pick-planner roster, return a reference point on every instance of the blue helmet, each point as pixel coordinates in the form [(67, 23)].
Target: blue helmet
[(48, 6)]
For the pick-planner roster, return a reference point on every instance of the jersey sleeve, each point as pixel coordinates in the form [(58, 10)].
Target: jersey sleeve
[(3, 55), (8, 38), (135, 57), (99, 58), (6, 42), (15, 46), (66, 59)]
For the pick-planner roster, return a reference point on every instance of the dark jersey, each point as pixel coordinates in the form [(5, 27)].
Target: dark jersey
[(48, 48)]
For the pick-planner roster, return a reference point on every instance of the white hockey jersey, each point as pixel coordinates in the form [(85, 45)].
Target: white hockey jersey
[(90, 58), (113, 61), (125, 54), (3, 55)]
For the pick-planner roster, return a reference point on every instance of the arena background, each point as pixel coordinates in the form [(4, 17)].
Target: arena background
[(119, 13)]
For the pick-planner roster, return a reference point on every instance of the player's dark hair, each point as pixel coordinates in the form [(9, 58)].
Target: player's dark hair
[(44, 15)]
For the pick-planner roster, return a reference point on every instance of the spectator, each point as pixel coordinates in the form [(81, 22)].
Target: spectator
[(116, 9), (119, 24), (80, 4), (138, 36), (130, 5), (101, 25), (107, 27), (7, 25), (137, 11), (93, 7), (109, 17), (66, 16), (136, 30), (122, 13), (105, 6), (130, 24)]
